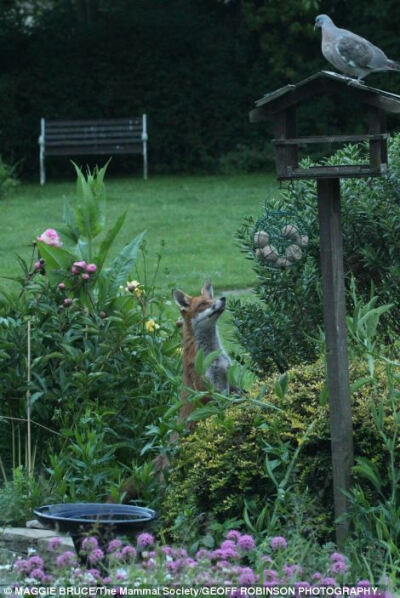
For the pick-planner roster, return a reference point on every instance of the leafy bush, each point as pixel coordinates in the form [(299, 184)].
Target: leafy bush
[(8, 178), (20, 495), (104, 361), (282, 328), (222, 467), (246, 159)]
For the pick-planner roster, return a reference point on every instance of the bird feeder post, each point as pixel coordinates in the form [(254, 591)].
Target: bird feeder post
[(280, 105), (334, 308)]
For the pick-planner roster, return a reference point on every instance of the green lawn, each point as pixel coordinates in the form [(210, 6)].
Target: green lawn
[(196, 217)]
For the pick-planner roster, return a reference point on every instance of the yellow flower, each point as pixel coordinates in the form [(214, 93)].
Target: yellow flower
[(134, 287), (151, 326)]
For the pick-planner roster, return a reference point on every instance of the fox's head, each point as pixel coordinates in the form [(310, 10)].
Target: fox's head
[(202, 311)]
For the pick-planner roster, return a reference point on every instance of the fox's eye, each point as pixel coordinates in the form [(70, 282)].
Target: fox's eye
[(203, 304)]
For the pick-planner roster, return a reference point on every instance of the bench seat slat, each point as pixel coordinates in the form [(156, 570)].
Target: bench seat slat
[(92, 149), (94, 135), (78, 123), (92, 141)]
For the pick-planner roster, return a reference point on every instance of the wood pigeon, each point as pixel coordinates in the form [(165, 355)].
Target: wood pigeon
[(350, 53)]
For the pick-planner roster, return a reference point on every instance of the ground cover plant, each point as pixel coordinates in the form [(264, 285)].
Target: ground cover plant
[(237, 562)]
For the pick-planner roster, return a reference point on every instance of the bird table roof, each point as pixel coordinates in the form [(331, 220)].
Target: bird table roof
[(324, 82)]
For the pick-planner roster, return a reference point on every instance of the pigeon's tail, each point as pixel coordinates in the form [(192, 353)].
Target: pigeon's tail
[(393, 65)]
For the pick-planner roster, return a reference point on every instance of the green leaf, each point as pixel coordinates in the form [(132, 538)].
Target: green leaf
[(121, 267), (56, 258), (108, 241), (89, 211)]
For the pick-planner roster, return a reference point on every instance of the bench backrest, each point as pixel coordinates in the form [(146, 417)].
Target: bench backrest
[(112, 136)]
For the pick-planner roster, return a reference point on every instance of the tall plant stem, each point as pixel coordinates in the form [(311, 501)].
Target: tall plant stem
[(28, 401)]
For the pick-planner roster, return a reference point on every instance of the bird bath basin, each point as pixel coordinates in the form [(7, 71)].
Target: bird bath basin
[(103, 520)]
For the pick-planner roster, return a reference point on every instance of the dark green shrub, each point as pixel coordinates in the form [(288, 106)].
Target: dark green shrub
[(246, 159), (221, 465), (8, 178), (282, 329)]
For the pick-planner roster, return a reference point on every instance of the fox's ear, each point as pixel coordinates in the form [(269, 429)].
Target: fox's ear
[(207, 289), (181, 299)]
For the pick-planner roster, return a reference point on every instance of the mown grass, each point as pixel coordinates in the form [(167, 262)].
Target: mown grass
[(194, 217)]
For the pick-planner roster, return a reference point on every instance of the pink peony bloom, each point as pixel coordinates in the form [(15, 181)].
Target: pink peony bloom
[(85, 276), (50, 237), (246, 542), (91, 268), (278, 542), (145, 540)]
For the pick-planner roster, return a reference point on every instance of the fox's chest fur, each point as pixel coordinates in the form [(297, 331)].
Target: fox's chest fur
[(209, 341)]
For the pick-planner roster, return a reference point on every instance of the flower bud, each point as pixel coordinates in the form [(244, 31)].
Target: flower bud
[(37, 266), (67, 302), (85, 276), (91, 268), (61, 286)]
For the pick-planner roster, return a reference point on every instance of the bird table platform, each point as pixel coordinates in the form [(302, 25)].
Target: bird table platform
[(280, 105)]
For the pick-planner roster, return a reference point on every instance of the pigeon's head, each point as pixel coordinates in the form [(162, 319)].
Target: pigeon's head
[(323, 21)]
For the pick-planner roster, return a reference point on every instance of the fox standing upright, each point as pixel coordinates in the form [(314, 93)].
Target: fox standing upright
[(200, 316)]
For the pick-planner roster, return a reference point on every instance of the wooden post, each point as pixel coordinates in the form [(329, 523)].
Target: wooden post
[(336, 344)]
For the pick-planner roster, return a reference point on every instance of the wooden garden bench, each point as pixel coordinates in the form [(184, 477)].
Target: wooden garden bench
[(79, 137)]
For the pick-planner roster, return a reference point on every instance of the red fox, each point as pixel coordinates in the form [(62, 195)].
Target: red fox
[(200, 316)]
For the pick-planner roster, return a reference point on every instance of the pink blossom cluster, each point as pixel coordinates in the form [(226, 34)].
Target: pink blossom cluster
[(83, 269), (235, 562)]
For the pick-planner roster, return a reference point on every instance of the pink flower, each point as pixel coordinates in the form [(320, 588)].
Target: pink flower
[(96, 555), (145, 540), (61, 286), (228, 544), (114, 545), (337, 556), (22, 566), (78, 266), (37, 574), (35, 561), (128, 552), (247, 577), (328, 581), (364, 583), (67, 302), (66, 559), (91, 542), (85, 276), (339, 567), (50, 237), (91, 268), (37, 266), (233, 534), (95, 573), (246, 542), (54, 543), (270, 574), (203, 553), (278, 542)]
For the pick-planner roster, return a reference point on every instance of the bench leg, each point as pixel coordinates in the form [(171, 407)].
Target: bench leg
[(42, 166)]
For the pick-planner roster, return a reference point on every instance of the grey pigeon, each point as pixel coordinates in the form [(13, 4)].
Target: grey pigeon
[(350, 53)]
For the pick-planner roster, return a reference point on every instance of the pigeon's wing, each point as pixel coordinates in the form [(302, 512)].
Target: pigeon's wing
[(355, 51)]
